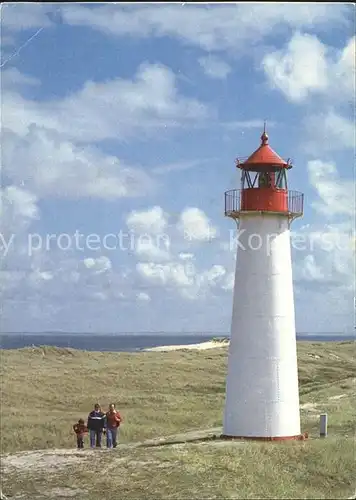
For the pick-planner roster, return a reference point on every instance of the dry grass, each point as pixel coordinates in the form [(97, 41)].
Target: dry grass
[(44, 391)]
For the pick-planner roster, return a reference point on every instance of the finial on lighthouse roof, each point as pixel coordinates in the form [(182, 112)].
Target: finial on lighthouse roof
[(264, 136), (263, 157)]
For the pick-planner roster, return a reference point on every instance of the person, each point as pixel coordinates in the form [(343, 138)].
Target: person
[(80, 429), (113, 421), (264, 180), (96, 425)]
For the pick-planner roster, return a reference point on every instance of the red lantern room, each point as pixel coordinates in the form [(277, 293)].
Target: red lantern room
[(264, 186)]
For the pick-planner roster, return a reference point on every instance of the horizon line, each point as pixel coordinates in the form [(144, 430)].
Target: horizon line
[(196, 332)]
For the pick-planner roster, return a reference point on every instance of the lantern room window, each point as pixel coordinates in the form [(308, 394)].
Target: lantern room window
[(281, 179), (265, 180)]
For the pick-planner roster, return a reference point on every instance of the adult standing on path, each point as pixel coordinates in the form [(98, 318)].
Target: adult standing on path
[(113, 421), (96, 425)]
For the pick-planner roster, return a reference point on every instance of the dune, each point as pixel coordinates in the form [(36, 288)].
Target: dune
[(201, 346), (167, 441)]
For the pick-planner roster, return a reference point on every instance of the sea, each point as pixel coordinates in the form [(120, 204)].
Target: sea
[(129, 342)]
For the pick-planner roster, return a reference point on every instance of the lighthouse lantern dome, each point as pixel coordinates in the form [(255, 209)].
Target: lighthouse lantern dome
[(264, 159)]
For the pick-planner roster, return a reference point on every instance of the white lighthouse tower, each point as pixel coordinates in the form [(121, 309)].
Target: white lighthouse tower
[(262, 396)]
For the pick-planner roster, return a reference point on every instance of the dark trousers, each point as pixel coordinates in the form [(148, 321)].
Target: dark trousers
[(95, 438), (80, 442)]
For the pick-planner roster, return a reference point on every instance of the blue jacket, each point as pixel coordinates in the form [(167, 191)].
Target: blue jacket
[(96, 420)]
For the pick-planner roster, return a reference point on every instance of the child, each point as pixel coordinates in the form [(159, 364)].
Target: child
[(80, 429)]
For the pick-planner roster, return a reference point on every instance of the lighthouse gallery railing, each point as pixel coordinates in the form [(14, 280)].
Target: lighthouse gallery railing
[(233, 206)]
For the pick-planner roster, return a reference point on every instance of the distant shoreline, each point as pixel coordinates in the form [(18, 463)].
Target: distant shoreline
[(161, 333), (135, 342), (212, 344)]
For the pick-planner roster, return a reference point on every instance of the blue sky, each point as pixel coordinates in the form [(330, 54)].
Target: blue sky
[(128, 118)]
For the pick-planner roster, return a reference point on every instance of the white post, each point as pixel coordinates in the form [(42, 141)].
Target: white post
[(323, 425)]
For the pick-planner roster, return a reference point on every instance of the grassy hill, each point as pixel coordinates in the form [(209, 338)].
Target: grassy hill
[(164, 397)]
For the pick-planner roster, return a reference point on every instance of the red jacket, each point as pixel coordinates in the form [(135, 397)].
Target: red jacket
[(113, 419), (80, 429)]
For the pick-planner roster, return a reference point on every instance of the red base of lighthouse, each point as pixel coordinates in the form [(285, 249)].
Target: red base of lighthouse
[(299, 437)]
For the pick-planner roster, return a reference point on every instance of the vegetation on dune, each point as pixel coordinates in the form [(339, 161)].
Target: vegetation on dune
[(46, 389), (220, 340)]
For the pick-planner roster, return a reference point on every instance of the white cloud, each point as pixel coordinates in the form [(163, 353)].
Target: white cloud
[(151, 249), (19, 202), (215, 67), (329, 131), (45, 163), (12, 76), (142, 296), (306, 69), (36, 279), (45, 275), (183, 279), (18, 209), (195, 225), (306, 66), (115, 109), (211, 27), (149, 241), (212, 276), (324, 263), (186, 256), (169, 274), (179, 166), (99, 265), (49, 154), (310, 270), (22, 16), (54, 277), (122, 107), (299, 69), (336, 196), (329, 260), (153, 220), (175, 270), (229, 281), (344, 70)]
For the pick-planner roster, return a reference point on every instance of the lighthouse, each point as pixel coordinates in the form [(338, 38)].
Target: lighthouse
[(262, 395)]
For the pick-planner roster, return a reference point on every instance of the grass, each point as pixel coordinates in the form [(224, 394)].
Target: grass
[(45, 390)]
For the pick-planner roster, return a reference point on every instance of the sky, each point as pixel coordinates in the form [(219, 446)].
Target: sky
[(120, 129)]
